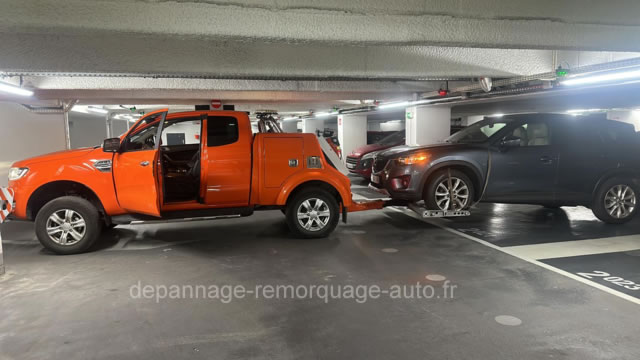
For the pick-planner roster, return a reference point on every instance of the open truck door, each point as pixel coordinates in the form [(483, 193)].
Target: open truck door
[(136, 167)]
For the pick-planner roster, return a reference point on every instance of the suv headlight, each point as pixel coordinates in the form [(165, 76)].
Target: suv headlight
[(413, 159), (17, 173)]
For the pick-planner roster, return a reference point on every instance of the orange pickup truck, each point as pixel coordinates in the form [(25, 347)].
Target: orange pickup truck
[(176, 166)]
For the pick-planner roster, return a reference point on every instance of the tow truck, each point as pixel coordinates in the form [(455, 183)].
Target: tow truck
[(183, 166)]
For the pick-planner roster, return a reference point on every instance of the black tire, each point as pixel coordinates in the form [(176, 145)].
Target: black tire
[(310, 194), (429, 195), (84, 210), (599, 207), (106, 228)]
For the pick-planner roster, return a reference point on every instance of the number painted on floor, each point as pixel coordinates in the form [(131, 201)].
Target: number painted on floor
[(627, 284)]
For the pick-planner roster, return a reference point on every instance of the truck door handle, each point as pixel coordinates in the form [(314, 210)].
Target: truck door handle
[(144, 163), (546, 160)]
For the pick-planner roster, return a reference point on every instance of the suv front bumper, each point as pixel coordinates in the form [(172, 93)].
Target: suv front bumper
[(391, 176)]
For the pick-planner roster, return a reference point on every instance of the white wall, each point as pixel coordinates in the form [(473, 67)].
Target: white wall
[(628, 116), (86, 130), (24, 134), (427, 124), (352, 133), (189, 128), (311, 125)]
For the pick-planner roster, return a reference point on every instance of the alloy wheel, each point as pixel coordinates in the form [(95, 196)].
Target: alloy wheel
[(313, 214), (460, 192), (620, 201), (66, 227)]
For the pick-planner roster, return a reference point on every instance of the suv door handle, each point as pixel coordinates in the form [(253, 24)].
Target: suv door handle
[(546, 159), (144, 163)]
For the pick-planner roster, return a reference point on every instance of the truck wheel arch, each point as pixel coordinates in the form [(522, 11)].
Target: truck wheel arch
[(467, 168), (284, 197), (56, 189)]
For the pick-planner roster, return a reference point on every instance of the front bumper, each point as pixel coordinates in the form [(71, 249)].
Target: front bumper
[(392, 176)]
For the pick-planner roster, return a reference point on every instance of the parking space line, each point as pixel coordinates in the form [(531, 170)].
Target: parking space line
[(506, 250), (577, 247)]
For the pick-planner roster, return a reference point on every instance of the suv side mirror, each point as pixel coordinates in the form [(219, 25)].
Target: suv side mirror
[(111, 145)]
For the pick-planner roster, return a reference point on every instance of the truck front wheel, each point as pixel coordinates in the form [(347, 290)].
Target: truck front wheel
[(312, 213), (68, 225)]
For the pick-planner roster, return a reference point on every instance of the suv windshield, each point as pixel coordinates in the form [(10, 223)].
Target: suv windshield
[(395, 138), (478, 132)]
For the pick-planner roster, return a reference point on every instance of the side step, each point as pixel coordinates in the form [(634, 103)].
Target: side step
[(425, 213)]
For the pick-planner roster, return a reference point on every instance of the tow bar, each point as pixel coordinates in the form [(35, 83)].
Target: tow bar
[(383, 199)]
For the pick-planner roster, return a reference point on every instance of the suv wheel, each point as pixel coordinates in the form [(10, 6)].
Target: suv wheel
[(68, 225), (615, 201), (438, 197), (312, 213)]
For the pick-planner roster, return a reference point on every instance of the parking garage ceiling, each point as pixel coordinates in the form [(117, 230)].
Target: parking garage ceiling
[(307, 54)]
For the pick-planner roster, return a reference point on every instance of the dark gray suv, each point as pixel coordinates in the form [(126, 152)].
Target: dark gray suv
[(546, 159)]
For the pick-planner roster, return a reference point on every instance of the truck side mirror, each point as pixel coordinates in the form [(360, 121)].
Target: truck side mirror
[(111, 145)]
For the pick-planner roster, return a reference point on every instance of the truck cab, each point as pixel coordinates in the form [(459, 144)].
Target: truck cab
[(176, 166)]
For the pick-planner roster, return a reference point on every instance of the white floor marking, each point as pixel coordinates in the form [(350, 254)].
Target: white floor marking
[(435, 277), (577, 247), (535, 262), (508, 320), (389, 250)]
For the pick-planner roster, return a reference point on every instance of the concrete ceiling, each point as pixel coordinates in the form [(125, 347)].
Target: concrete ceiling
[(296, 55)]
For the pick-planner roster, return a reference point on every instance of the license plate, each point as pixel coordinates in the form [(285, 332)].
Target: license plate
[(375, 179), (351, 166)]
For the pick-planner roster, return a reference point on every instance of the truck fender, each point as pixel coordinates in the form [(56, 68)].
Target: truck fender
[(295, 181)]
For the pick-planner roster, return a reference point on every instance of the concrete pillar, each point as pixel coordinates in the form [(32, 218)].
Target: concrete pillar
[(290, 126), (427, 124), (311, 125), (352, 133)]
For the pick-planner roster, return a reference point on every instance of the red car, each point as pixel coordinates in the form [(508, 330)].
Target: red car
[(360, 160)]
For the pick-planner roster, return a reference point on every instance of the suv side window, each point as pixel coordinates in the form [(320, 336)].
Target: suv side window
[(221, 130), (535, 133), (143, 136)]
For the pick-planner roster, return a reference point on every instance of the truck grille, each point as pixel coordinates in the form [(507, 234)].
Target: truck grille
[(353, 161)]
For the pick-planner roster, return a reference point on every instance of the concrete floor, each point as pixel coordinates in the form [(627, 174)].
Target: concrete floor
[(80, 307)]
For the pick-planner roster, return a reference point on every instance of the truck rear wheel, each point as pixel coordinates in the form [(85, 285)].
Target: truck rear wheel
[(616, 201), (68, 225), (312, 213)]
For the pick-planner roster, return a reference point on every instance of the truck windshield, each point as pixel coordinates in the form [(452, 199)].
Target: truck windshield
[(478, 132), (395, 138)]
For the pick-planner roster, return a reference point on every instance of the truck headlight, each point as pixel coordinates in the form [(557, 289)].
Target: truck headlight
[(17, 173)]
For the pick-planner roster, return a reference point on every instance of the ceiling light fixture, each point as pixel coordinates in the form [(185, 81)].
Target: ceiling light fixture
[(323, 114), (414, 103), (16, 90), (97, 110), (594, 79)]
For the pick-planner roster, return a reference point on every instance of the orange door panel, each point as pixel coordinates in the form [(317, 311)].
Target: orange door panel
[(134, 175), (227, 156), (136, 168)]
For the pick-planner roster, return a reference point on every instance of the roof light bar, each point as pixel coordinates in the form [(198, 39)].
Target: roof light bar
[(594, 79), (16, 90)]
